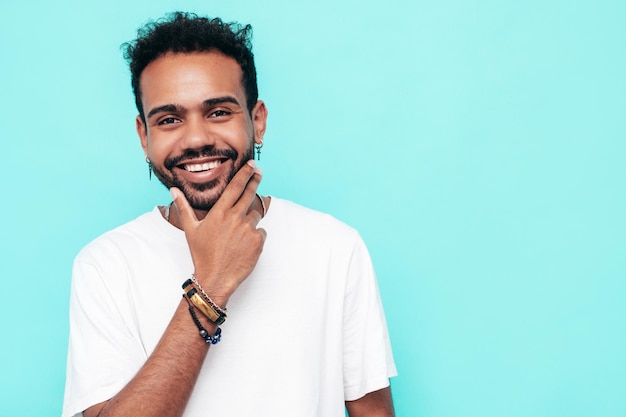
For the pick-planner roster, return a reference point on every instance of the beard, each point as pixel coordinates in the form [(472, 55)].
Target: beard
[(202, 196)]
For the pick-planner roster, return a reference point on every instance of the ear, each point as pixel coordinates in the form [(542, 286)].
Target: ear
[(259, 120), (142, 132)]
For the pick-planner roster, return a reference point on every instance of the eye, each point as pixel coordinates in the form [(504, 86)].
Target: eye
[(220, 113), (168, 121)]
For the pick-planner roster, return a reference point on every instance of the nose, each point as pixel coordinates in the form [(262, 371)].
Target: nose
[(196, 134)]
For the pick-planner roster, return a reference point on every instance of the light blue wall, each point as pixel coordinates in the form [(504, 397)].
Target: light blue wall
[(478, 147)]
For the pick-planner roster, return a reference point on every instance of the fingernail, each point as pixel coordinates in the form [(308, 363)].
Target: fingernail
[(258, 170), (252, 163), (173, 193)]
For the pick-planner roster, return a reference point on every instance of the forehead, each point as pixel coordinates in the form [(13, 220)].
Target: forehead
[(190, 78)]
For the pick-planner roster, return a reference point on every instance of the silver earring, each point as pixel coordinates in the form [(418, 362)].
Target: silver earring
[(257, 147), (149, 168)]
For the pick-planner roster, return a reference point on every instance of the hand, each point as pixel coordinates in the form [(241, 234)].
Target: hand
[(225, 245)]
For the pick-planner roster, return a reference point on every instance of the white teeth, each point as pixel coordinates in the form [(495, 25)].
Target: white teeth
[(202, 167)]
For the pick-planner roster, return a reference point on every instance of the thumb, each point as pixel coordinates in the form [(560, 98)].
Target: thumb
[(187, 215)]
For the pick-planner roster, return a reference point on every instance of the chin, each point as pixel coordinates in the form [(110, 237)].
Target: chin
[(202, 196), (202, 204), (205, 198)]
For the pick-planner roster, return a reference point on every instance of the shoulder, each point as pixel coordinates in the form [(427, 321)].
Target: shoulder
[(121, 239), (308, 229), (295, 216)]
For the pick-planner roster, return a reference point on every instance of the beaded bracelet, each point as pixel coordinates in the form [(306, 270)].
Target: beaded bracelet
[(215, 339)]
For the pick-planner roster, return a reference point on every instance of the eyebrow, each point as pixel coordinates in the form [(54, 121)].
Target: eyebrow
[(219, 100), (173, 108), (167, 108)]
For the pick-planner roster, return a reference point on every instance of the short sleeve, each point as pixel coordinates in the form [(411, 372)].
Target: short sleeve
[(103, 354), (367, 356)]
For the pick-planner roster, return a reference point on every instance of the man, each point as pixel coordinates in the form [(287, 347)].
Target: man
[(304, 331)]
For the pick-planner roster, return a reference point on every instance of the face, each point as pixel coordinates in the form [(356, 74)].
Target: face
[(198, 130)]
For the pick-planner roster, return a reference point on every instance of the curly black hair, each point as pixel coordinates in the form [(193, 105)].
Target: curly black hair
[(182, 32)]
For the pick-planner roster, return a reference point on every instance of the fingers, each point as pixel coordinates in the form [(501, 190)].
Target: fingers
[(262, 232), (187, 215), (241, 185), (249, 192), (254, 217)]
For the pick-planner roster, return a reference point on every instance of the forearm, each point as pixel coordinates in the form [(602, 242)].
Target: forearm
[(374, 404), (163, 385)]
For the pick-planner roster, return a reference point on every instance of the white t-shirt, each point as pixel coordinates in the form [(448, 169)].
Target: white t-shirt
[(305, 331)]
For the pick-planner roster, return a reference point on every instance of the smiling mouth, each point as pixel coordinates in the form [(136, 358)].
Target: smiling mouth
[(206, 166)]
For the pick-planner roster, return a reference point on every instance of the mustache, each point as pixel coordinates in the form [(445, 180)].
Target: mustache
[(207, 151)]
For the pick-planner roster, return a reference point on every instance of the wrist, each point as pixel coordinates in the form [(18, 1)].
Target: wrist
[(213, 287)]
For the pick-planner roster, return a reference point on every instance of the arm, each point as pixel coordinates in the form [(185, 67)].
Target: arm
[(163, 385), (373, 404)]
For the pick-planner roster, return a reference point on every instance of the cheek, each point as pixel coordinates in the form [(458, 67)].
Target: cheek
[(159, 145)]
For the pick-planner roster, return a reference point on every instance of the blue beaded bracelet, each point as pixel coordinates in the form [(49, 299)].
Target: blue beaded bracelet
[(215, 339)]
